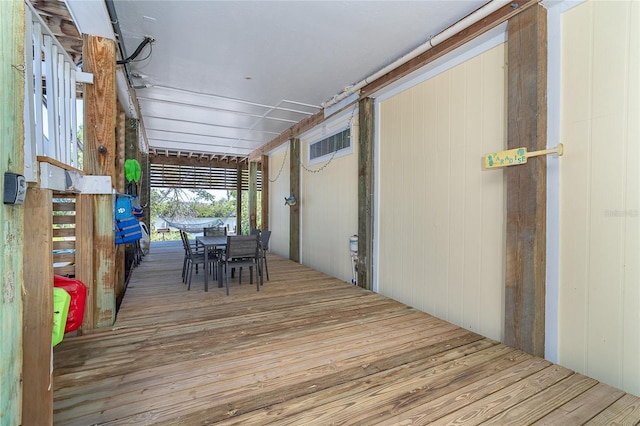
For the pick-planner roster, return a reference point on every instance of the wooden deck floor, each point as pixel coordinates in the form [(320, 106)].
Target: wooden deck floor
[(305, 350)]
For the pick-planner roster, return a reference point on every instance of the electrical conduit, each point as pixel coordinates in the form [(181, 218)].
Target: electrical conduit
[(464, 23)]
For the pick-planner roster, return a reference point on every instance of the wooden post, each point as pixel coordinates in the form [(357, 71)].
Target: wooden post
[(84, 254), (12, 216), (120, 187), (253, 195), (239, 199), (264, 198), (99, 58), (365, 193), (294, 211), (37, 407), (526, 184)]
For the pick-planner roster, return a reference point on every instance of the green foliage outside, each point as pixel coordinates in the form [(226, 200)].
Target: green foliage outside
[(176, 204)]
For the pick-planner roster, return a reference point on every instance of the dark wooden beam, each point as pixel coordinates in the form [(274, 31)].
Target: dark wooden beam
[(365, 193), (100, 159), (253, 195), (194, 161), (526, 184), (239, 199), (264, 199), (294, 211), (294, 131)]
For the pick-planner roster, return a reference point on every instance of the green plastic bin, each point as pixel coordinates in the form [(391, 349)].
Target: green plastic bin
[(61, 301)]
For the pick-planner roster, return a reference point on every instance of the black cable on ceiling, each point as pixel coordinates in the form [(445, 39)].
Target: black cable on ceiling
[(135, 54)]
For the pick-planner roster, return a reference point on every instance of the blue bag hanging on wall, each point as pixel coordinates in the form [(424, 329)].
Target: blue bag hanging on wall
[(127, 226)]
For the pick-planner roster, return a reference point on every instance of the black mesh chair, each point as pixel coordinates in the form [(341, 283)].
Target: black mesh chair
[(192, 257), (264, 247), (241, 251)]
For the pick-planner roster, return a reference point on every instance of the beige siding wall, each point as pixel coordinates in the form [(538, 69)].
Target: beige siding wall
[(441, 219), (599, 306), (329, 206), (278, 190)]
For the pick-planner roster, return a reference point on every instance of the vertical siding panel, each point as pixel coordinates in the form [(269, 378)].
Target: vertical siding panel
[(416, 140), (279, 213), (441, 199), (631, 284), (574, 174), (457, 167), (403, 198), (445, 250), (473, 217), (329, 206), (491, 285), (385, 218), (431, 187), (600, 254), (608, 187), (419, 200)]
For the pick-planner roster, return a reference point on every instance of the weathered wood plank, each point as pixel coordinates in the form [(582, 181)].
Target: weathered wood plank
[(625, 411), (526, 185), (366, 203), (428, 412), (546, 401), (12, 38), (37, 323), (84, 255), (579, 410), (294, 211), (99, 58), (492, 405)]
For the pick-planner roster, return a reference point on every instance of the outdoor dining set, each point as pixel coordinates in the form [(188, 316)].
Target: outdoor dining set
[(221, 255)]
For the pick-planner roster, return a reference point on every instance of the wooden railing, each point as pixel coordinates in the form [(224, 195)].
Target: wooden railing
[(50, 98)]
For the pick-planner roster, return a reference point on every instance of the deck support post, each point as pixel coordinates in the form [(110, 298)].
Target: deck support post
[(365, 193), (238, 199), (526, 185), (99, 58), (253, 195), (37, 406), (12, 83), (264, 198), (120, 187), (294, 188)]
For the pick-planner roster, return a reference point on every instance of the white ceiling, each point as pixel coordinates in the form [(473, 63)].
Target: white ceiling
[(226, 77)]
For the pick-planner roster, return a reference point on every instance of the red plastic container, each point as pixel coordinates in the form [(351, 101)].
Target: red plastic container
[(78, 292)]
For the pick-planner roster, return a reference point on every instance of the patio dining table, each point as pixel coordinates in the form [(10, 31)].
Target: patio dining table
[(208, 243)]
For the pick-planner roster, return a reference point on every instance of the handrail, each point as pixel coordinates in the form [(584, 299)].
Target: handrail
[(50, 87)]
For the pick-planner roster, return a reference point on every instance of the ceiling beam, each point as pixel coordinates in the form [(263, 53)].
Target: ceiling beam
[(198, 161)]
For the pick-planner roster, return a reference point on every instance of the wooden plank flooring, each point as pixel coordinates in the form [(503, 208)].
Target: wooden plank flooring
[(307, 349)]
